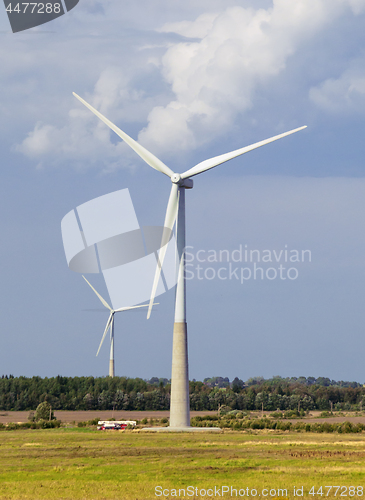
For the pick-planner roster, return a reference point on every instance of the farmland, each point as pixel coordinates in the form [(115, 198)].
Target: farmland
[(81, 416), (79, 463)]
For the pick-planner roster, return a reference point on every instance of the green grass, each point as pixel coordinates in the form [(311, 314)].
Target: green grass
[(81, 463)]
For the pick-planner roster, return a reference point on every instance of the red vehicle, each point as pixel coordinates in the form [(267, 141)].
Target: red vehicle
[(111, 426), (105, 425)]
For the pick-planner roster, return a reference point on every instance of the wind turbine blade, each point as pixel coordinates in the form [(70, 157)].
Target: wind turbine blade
[(171, 214), (148, 157), (111, 328), (217, 160), (100, 297), (134, 307), (108, 324)]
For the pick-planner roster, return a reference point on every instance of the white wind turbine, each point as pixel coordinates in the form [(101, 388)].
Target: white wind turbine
[(179, 406), (110, 326)]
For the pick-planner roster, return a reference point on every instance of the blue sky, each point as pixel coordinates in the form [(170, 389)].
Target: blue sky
[(190, 81)]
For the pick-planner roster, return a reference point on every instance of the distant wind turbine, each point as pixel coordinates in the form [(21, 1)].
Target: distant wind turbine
[(179, 406), (110, 326)]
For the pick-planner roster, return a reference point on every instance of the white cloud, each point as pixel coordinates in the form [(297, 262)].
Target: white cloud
[(218, 77), (84, 139), (190, 92), (40, 141), (198, 29), (357, 6), (345, 94)]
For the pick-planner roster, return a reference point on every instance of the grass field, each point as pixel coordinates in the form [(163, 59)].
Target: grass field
[(85, 464)]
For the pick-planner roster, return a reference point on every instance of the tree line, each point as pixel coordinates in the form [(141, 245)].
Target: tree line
[(122, 393)]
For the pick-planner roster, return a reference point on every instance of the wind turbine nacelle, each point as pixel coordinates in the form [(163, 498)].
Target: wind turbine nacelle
[(187, 183)]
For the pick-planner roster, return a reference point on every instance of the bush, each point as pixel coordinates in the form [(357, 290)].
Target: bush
[(291, 414), (94, 421), (224, 409), (347, 427), (12, 426), (42, 424), (257, 424), (44, 412), (276, 414), (280, 425), (316, 427), (223, 424), (325, 414), (228, 417), (299, 427), (283, 426), (52, 424)]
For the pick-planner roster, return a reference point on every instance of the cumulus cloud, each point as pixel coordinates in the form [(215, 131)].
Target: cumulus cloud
[(84, 139), (345, 94), (217, 77), (197, 29), (357, 6), (228, 56)]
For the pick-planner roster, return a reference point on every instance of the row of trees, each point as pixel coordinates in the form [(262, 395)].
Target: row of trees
[(121, 393), (323, 381)]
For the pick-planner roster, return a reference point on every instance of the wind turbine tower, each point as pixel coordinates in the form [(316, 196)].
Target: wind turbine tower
[(179, 405), (110, 327)]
